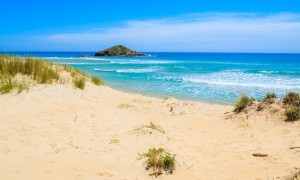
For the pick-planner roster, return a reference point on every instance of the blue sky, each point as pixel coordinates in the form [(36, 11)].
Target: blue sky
[(192, 26)]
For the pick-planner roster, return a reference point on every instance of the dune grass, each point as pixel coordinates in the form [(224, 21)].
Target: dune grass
[(97, 81), (269, 98), (39, 71), (243, 102), (292, 101), (6, 86), (156, 127), (158, 160), (79, 82), (292, 113)]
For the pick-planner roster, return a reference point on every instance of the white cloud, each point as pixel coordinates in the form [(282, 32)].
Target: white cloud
[(209, 32)]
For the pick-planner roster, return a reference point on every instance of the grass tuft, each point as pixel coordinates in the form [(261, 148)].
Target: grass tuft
[(124, 106), (158, 160), (97, 81), (243, 102), (269, 98), (6, 86), (166, 98), (79, 82), (114, 141), (156, 127), (22, 86)]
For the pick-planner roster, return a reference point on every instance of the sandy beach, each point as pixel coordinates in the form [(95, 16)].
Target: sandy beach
[(59, 132)]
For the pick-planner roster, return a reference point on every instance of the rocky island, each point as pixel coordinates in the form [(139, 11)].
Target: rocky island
[(119, 50)]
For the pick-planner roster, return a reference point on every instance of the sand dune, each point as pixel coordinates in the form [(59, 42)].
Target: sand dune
[(58, 132)]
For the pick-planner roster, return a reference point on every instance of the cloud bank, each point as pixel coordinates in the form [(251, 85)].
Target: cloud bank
[(205, 32)]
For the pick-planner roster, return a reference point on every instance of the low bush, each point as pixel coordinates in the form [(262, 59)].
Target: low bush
[(292, 113), (158, 160), (243, 102), (292, 99)]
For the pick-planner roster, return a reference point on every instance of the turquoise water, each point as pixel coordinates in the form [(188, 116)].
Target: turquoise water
[(208, 77)]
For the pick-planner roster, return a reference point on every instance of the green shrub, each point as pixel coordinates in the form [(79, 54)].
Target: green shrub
[(269, 98), (79, 82), (97, 81), (159, 160), (292, 99), (243, 102), (292, 113)]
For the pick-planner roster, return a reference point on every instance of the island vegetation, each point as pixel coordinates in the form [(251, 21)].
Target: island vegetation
[(119, 50)]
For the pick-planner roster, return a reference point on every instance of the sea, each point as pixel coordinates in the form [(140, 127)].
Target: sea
[(207, 77)]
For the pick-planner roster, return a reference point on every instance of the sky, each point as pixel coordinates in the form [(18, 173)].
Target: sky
[(151, 26)]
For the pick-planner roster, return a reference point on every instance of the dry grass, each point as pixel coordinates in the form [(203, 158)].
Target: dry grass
[(38, 71), (124, 106), (97, 81), (79, 82), (41, 71), (156, 127)]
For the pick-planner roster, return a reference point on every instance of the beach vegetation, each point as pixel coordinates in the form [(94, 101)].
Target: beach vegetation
[(114, 141), (156, 127), (292, 102), (6, 86), (79, 82), (291, 99), (158, 160), (292, 113), (269, 98), (39, 70), (166, 98), (97, 81), (36, 70), (22, 86), (124, 106), (242, 103)]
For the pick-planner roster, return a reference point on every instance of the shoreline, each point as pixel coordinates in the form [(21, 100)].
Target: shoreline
[(157, 96), (198, 77)]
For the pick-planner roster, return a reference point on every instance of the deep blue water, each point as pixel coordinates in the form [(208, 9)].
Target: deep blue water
[(208, 77)]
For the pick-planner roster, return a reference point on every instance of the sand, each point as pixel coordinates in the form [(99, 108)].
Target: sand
[(58, 132)]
